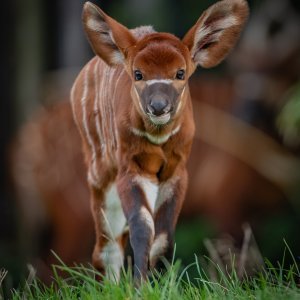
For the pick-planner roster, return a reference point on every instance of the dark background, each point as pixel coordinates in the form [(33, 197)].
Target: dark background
[(42, 49)]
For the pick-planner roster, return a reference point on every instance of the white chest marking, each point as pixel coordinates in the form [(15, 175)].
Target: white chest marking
[(155, 139), (138, 100)]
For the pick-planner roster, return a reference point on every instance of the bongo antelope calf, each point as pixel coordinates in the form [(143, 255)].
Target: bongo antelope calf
[(132, 106)]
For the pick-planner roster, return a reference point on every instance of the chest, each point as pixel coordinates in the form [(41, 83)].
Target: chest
[(159, 163)]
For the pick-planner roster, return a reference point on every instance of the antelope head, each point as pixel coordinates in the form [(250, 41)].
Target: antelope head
[(160, 64)]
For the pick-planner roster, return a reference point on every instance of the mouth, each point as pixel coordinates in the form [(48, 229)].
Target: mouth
[(160, 120)]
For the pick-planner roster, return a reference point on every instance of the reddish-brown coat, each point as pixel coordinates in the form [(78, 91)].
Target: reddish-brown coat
[(117, 117)]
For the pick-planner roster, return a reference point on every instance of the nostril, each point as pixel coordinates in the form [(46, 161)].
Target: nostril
[(158, 106)]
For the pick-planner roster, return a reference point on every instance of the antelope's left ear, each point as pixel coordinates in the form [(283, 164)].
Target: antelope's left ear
[(216, 32)]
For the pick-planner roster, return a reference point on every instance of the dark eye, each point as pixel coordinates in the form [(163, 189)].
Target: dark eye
[(180, 74), (138, 75)]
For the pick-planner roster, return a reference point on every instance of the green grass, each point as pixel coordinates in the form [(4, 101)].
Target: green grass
[(175, 283)]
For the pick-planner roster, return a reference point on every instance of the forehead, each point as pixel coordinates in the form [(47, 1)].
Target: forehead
[(160, 53)]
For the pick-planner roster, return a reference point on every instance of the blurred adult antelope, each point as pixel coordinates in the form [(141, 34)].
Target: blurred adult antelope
[(133, 109)]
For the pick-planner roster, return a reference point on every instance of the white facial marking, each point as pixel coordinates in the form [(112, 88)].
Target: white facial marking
[(155, 139), (138, 100), (160, 120), (158, 248), (113, 215), (166, 191), (153, 81), (112, 258), (180, 102), (183, 90), (147, 218), (150, 189)]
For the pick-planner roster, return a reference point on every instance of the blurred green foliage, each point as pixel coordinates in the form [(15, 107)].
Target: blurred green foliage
[(288, 121)]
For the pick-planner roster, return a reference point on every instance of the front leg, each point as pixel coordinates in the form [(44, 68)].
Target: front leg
[(170, 199), (138, 195)]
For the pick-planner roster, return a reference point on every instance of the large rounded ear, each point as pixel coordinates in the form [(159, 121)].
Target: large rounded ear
[(108, 38), (216, 32)]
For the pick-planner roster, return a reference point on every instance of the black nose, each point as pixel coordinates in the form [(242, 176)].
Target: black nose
[(158, 106)]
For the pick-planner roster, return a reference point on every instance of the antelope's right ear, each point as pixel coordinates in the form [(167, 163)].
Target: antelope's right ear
[(108, 38)]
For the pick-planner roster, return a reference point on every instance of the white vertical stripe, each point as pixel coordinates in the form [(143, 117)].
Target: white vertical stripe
[(91, 177), (100, 83), (97, 111), (115, 130), (105, 91), (101, 105), (112, 112), (72, 98), (108, 101), (85, 122)]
